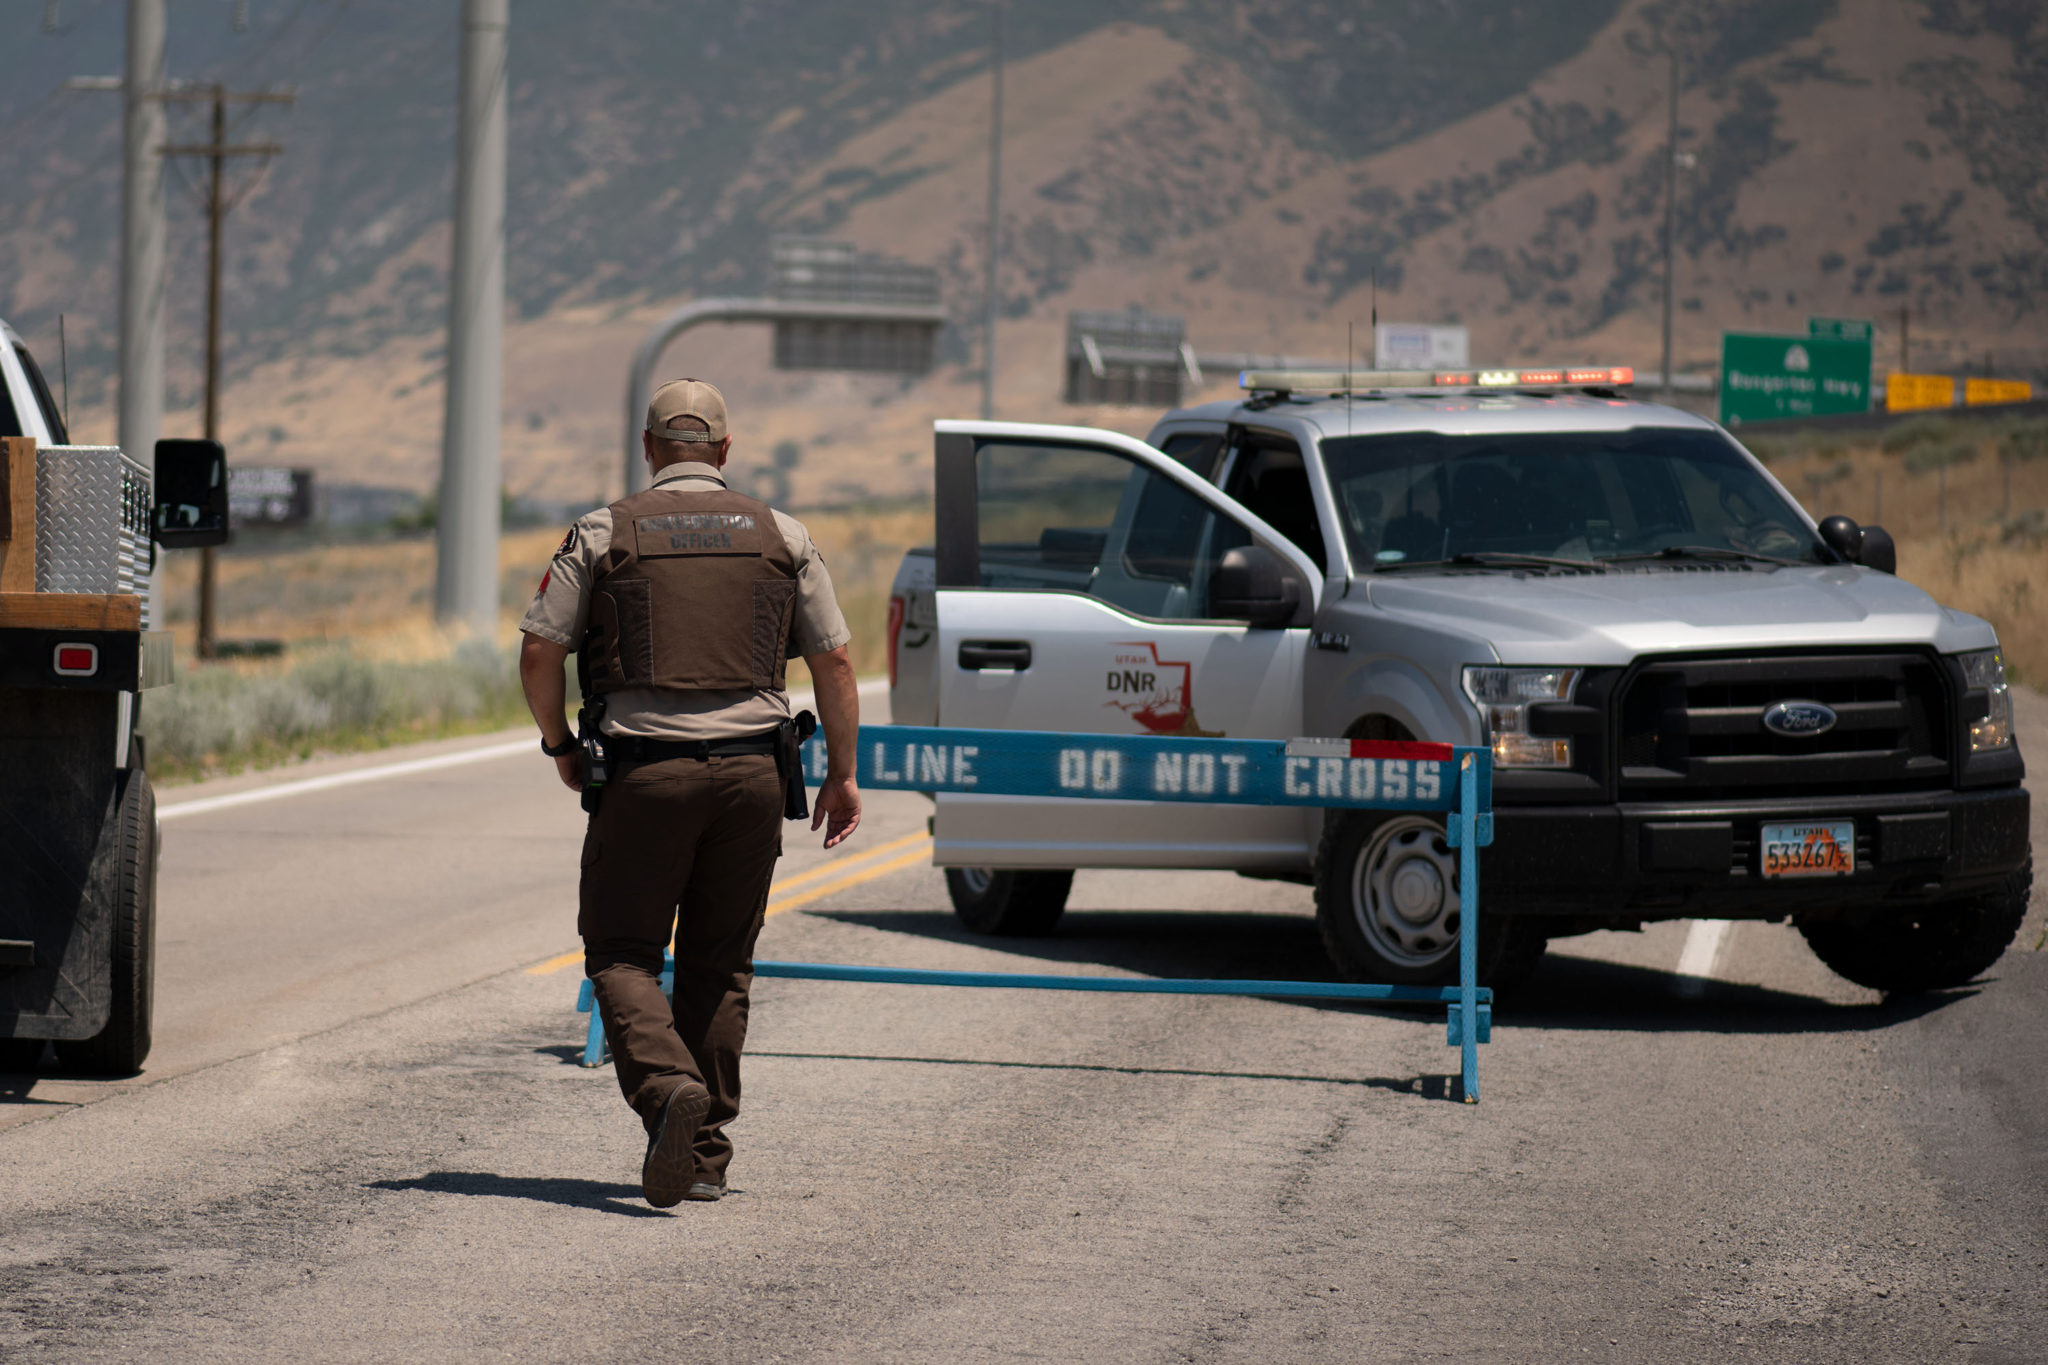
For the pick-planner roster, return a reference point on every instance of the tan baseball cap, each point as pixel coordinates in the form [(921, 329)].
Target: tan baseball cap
[(681, 398)]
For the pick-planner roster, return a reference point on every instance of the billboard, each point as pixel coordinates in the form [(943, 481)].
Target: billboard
[(1415, 346), (1842, 329), (1915, 392), (1977, 391), (259, 496), (1132, 357), (1766, 377)]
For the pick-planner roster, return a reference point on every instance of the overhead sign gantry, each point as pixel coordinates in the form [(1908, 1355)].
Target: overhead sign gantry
[(832, 309)]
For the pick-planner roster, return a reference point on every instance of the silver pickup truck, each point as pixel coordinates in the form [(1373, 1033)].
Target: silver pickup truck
[(1700, 702)]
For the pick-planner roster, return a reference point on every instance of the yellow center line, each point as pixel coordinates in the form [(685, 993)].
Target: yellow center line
[(866, 874), (788, 884), (842, 863)]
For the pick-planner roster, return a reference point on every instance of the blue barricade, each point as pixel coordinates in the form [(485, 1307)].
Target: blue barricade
[(1336, 773)]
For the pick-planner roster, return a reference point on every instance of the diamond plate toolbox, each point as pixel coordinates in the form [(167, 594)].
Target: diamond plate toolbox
[(92, 522)]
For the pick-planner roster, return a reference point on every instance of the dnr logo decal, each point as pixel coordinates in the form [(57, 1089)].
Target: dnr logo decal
[(1157, 693)]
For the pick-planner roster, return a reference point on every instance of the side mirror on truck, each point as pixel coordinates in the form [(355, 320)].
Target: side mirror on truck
[(191, 494), (1252, 584), (1870, 546)]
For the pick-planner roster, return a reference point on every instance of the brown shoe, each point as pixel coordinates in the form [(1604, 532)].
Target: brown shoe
[(665, 1174)]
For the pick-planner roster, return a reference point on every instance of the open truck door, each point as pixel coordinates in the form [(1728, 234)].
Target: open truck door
[(1088, 582)]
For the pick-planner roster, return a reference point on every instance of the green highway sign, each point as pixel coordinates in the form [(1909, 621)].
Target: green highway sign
[(1841, 329), (1766, 378)]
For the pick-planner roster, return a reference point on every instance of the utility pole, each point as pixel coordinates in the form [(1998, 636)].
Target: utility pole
[(467, 525), (216, 151), (142, 244), (995, 210), (1670, 216)]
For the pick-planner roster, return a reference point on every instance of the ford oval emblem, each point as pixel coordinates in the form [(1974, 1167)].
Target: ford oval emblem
[(1799, 719)]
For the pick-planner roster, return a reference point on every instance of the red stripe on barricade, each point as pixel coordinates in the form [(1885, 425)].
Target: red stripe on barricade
[(1400, 748)]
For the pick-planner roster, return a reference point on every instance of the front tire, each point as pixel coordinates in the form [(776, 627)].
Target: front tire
[(120, 1048), (1387, 905), (1927, 948), (1013, 904)]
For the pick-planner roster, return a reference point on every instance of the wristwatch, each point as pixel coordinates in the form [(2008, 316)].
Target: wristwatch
[(569, 746)]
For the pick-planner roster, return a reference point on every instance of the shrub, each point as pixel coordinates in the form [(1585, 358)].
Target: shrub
[(223, 717), (1926, 458), (1921, 431), (2024, 441)]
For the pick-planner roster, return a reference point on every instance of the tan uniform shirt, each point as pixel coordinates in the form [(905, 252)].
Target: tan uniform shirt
[(561, 613)]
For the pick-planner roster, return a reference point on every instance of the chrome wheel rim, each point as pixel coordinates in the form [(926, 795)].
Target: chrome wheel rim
[(1404, 893)]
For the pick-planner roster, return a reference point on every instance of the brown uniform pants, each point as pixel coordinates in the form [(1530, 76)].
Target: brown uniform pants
[(702, 835)]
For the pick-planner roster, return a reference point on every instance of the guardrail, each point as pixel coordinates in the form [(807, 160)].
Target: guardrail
[(1332, 773)]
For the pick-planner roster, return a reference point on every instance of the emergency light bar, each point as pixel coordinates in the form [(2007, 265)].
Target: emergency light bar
[(1358, 381)]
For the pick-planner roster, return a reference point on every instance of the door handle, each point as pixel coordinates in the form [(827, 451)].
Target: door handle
[(1011, 654)]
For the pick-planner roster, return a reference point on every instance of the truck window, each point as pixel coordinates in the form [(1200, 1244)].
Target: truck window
[(52, 418), (1271, 480), (1196, 449), (1091, 521), (10, 420), (1421, 497)]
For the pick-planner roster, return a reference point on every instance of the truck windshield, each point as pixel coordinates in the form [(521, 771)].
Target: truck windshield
[(1420, 497)]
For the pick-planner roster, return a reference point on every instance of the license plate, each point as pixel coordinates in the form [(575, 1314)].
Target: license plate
[(1811, 848)]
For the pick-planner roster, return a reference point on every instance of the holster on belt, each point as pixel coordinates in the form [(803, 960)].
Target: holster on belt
[(789, 763), (597, 763)]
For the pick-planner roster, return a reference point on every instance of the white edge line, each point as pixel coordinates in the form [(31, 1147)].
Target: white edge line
[(1702, 950), (383, 770), (347, 779)]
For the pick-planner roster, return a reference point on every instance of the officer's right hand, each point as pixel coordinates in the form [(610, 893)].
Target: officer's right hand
[(839, 799), (570, 766)]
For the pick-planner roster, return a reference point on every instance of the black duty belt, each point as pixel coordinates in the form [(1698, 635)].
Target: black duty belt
[(637, 749)]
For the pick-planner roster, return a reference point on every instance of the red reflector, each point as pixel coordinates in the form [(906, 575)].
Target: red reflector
[(77, 661), (1400, 748), (894, 631)]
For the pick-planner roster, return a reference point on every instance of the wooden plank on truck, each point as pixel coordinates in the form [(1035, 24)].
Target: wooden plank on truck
[(71, 610), (17, 514)]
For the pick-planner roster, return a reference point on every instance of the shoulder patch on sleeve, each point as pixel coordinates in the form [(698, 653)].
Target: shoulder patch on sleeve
[(568, 542)]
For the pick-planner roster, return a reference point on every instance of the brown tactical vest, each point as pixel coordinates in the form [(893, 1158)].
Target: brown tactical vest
[(696, 593)]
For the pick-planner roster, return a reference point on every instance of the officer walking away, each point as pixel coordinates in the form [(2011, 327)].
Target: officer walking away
[(682, 603)]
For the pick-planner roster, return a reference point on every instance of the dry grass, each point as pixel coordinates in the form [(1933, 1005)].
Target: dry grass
[(378, 598), (1940, 487), (1973, 571)]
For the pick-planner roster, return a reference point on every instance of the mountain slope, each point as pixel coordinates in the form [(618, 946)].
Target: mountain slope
[(1252, 164)]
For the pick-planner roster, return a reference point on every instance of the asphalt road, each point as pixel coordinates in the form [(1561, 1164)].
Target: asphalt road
[(364, 1134)]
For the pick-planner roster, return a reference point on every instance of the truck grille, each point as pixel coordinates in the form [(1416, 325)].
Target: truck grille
[(1694, 727)]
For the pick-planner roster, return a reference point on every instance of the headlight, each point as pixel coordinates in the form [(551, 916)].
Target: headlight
[(1984, 671), (1503, 697)]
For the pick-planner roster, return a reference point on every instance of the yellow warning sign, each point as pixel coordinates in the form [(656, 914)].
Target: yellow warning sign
[(1996, 391), (1912, 392)]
